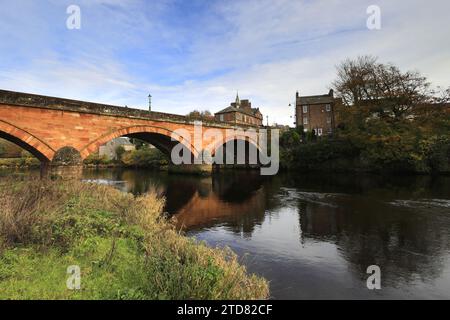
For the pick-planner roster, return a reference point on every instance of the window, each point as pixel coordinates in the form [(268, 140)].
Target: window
[(319, 132), (221, 117), (305, 120), (328, 107), (328, 119), (305, 109), (238, 116)]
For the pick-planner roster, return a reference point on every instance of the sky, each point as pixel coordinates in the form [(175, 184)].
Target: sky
[(196, 54)]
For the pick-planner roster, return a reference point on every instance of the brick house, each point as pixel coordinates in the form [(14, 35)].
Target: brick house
[(240, 112), (316, 113)]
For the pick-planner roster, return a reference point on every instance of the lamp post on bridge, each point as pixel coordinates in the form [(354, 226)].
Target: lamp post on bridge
[(149, 102)]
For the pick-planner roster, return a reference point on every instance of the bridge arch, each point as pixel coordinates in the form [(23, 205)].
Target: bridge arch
[(27, 141), (158, 136), (249, 143)]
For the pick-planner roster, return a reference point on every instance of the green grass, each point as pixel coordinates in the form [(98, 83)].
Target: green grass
[(123, 246)]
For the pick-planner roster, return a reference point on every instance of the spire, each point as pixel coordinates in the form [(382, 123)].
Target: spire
[(238, 101)]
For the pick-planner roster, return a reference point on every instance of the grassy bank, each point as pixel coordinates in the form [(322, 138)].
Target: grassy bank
[(123, 246)]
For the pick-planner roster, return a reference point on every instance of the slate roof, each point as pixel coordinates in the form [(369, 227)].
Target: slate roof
[(251, 112), (321, 99)]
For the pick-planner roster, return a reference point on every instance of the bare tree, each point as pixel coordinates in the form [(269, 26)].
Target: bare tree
[(382, 88)]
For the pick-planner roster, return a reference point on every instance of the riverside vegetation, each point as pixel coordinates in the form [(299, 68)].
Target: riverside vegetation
[(143, 157), (389, 121), (124, 246)]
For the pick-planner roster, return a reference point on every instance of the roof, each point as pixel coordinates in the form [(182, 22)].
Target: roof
[(251, 112), (321, 99), (121, 141)]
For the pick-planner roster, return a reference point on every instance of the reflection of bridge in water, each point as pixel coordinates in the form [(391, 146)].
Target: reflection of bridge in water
[(207, 211), (195, 202), (223, 200), (341, 219)]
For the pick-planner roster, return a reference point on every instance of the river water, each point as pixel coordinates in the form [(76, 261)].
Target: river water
[(314, 236)]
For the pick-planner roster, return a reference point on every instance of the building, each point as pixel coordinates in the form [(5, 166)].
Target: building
[(109, 149), (240, 112), (316, 113), (281, 127)]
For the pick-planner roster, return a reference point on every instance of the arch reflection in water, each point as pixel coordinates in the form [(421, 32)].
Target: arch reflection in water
[(313, 236)]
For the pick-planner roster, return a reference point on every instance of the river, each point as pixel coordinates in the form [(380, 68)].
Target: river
[(314, 236)]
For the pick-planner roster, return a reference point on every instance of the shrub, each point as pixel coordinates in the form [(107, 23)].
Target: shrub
[(438, 155), (120, 150), (144, 157), (96, 159)]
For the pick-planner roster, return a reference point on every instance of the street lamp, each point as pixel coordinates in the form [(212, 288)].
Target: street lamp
[(149, 102), (290, 106)]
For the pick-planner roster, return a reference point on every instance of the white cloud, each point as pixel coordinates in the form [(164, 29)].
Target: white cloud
[(268, 49)]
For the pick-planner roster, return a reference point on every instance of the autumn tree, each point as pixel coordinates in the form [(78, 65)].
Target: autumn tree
[(383, 89), (201, 115)]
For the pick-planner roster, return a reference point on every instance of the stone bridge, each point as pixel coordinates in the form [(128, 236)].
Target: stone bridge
[(64, 132)]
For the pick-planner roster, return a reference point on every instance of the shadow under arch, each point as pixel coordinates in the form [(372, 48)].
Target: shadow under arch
[(27, 141), (251, 147), (160, 137)]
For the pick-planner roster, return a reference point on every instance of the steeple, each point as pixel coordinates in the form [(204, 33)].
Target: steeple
[(238, 101)]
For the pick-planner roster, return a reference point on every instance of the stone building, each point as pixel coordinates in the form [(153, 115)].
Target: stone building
[(316, 113), (240, 112), (110, 148)]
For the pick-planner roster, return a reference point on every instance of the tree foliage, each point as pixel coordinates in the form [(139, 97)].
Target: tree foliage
[(205, 115), (389, 121), (383, 89)]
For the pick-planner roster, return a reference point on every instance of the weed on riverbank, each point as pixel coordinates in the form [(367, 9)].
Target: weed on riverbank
[(124, 247)]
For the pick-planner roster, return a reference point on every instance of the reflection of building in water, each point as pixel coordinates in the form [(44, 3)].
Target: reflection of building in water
[(318, 221)]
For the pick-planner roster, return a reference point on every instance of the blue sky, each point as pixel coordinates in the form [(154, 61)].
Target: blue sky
[(195, 54)]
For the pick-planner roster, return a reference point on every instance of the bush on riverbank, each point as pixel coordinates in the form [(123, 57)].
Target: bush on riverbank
[(19, 163), (123, 246), (141, 158), (144, 158), (383, 153)]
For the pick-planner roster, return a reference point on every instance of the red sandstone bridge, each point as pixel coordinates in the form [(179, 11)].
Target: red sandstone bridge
[(51, 128)]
